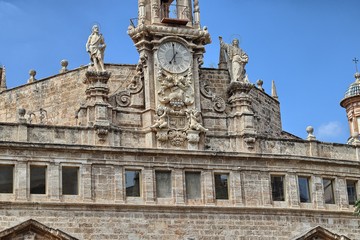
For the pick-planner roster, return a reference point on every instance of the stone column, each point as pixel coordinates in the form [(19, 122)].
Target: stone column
[(21, 181), (86, 183), (54, 182), (341, 197), (318, 193), (292, 190), (236, 188), (265, 189), (119, 184), (207, 178), (149, 188), (179, 189)]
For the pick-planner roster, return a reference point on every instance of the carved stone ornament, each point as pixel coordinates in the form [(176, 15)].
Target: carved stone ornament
[(177, 121), (123, 98), (177, 138), (219, 103), (102, 134), (176, 90)]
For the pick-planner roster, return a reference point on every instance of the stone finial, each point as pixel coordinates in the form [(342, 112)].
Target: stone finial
[(273, 90), (32, 74), (2, 79), (64, 63), (310, 131), (259, 84), (21, 115)]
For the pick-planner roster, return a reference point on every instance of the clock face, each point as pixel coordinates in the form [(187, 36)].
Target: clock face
[(174, 57)]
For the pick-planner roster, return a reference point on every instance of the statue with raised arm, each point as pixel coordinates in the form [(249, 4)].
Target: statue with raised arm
[(236, 59), (95, 46)]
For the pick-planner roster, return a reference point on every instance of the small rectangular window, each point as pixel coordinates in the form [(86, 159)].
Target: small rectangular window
[(304, 190), (221, 186), (193, 185), (132, 182), (163, 184), (70, 182), (37, 179), (351, 190), (277, 188), (6, 178), (328, 185)]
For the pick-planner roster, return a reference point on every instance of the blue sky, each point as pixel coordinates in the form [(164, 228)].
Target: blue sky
[(306, 46)]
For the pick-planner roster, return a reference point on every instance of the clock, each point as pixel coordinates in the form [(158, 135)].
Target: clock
[(174, 57)]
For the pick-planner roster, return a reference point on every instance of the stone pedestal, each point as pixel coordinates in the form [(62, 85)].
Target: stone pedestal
[(241, 117), (97, 111)]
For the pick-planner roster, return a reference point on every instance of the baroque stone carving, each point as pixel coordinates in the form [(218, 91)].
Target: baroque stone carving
[(123, 98), (176, 90), (236, 59), (219, 103), (177, 120)]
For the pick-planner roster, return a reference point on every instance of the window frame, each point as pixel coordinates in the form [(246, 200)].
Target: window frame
[(283, 176), (46, 167), (200, 184), (216, 194), (171, 183), (140, 182), (77, 176), (309, 192), (356, 183), (332, 181), (12, 179)]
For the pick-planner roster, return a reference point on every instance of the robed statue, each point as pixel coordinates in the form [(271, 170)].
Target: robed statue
[(235, 58), (95, 46)]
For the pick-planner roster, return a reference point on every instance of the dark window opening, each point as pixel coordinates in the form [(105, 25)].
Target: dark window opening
[(37, 179), (132, 182), (6, 178), (277, 188), (304, 190), (328, 191), (70, 182), (351, 190), (221, 186)]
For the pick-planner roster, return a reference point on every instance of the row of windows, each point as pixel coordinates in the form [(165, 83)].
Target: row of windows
[(278, 193), (70, 178), (70, 184)]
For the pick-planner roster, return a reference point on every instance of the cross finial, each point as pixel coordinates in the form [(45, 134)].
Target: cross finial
[(355, 60)]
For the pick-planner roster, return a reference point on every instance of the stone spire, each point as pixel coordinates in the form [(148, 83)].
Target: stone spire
[(2, 79), (273, 90)]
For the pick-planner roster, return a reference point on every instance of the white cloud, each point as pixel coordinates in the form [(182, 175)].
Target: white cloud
[(8, 9), (329, 130)]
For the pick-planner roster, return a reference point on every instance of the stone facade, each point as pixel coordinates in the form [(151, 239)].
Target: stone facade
[(165, 150)]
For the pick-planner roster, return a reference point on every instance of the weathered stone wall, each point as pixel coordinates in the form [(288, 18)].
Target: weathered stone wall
[(266, 108), (99, 222), (60, 95)]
